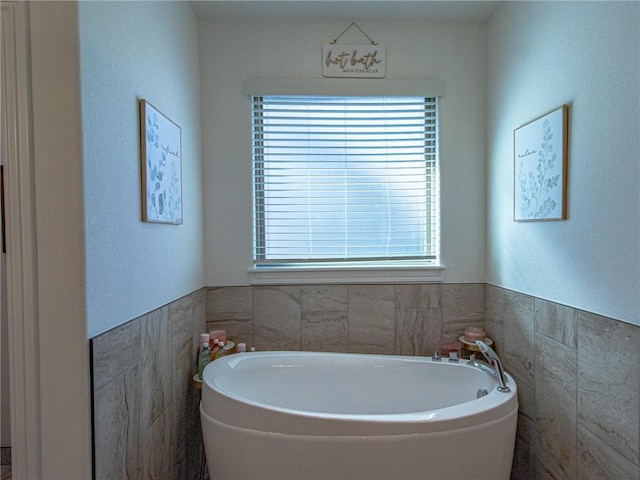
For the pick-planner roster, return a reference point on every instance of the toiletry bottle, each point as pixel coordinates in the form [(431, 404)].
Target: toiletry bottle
[(214, 349), (204, 358), (204, 337), (242, 348), (221, 351)]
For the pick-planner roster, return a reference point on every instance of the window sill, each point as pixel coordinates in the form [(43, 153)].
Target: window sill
[(323, 274)]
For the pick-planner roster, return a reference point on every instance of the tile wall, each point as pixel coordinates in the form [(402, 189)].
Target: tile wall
[(578, 376), (386, 319), (578, 373), (146, 420)]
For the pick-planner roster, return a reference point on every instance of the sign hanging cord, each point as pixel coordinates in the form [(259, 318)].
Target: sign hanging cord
[(358, 27)]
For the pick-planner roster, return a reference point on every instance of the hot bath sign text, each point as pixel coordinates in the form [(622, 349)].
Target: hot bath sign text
[(353, 61)]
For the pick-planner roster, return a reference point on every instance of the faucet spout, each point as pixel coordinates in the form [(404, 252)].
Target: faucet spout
[(484, 366), (493, 359)]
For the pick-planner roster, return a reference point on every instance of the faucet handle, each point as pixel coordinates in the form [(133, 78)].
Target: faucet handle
[(436, 356)]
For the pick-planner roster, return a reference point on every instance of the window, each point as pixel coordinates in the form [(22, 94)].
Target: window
[(345, 179)]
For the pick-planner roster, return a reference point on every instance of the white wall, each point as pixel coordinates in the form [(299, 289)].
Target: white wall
[(133, 50), (60, 343), (98, 265), (232, 51), (585, 54)]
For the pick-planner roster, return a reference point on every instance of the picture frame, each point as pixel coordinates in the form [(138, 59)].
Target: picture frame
[(540, 167), (161, 166)]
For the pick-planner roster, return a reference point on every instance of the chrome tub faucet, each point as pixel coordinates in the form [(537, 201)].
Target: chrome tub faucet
[(493, 359)]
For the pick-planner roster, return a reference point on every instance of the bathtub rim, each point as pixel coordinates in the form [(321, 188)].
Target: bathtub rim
[(239, 411)]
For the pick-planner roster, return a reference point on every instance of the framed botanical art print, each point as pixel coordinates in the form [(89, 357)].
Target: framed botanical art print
[(540, 167), (161, 161)]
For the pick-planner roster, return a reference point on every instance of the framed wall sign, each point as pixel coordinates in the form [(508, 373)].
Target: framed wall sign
[(356, 61), (161, 162), (540, 167)]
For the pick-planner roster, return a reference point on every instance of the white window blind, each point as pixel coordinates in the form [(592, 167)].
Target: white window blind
[(345, 179)]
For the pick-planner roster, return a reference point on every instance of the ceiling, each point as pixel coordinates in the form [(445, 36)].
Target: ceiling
[(353, 10)]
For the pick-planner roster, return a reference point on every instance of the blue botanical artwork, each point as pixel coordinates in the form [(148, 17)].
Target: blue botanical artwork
[(540, 161), (161, 157)]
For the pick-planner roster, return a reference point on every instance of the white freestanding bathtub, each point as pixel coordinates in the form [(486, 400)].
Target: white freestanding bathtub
[(305, 415)]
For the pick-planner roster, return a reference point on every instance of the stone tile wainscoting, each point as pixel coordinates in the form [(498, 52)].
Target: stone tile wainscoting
[(146, 420), (384, 319), (578, 376)]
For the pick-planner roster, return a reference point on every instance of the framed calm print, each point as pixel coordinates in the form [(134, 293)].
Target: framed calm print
[(540, 167), (161, 161)]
